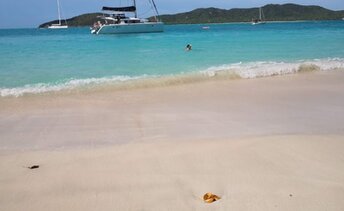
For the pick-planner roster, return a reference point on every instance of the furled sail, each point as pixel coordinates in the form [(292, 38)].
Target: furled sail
[(120, 9)]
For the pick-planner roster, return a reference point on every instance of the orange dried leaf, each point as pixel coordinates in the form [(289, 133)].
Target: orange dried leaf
[(210, 198)]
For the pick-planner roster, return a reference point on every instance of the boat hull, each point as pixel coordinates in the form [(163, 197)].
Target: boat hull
[(131, 28), (257, 23), (57, 27)]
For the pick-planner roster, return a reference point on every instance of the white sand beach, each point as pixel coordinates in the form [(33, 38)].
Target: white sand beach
[(260, 144)]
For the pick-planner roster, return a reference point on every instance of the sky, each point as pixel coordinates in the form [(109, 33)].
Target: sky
[(31, 13)]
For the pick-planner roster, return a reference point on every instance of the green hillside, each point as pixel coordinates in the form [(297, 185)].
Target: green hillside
[(81, 20), (272, 12)]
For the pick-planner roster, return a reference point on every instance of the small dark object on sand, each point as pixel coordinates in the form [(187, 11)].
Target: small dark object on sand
[(33, 167), (290, 195)]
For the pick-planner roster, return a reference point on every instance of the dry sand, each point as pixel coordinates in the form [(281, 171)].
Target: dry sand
[(261, 144)]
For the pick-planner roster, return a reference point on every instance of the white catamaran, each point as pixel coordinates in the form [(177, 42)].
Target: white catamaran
[(118, 23), (59, 25), (261, 19)]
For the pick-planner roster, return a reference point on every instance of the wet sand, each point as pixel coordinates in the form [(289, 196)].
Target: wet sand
[(261, 144)]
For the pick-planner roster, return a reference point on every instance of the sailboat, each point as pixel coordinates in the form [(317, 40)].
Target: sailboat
[(261, 18), (59, 25), (117, 21)]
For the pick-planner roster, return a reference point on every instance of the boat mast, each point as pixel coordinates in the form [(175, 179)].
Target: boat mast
[(156, 11), (135, 9), (260, 13), (58, 11)]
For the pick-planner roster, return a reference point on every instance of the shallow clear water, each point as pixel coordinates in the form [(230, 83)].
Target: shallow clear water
[(36, 59)]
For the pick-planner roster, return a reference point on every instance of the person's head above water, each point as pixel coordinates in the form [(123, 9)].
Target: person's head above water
[(188, 47)]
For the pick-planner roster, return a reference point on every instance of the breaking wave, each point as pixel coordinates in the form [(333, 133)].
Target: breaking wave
[(266, 69), (231, 71), (55, 87)]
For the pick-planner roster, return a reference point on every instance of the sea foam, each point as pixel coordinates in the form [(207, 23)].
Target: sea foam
[(55, 87), (247, 70), (267, 68)]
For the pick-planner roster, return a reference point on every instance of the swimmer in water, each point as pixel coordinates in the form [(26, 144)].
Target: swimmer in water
[(188, 47)]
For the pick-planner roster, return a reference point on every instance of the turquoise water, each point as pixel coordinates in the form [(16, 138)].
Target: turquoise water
[(38, 60)]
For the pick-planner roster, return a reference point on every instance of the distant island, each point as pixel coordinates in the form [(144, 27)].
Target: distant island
[(273, 12)]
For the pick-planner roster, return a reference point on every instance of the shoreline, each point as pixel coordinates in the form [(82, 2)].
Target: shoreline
[(78, 27), (247, 22), (247, 70), (250, 22), (288, 104)]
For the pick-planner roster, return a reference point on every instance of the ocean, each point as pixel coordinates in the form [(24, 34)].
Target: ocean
[(34, 61)]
